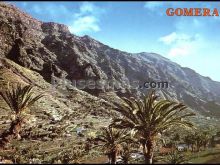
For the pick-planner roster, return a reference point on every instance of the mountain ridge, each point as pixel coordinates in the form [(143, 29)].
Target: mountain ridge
[(58, 56), (150, 53)]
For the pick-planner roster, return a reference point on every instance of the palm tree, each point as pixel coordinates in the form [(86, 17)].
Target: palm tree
[(127, 149), (148, 117), (112, 139), (19, 99)]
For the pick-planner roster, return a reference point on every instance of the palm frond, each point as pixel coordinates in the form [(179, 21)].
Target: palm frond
[(150, 115), (19, 98)]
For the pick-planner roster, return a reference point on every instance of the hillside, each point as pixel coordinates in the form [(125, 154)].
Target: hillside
[(81, 79), (60, 57)]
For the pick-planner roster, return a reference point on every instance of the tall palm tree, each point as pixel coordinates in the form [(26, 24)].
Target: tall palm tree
[(148, 117), (112, 139), (19, 99)]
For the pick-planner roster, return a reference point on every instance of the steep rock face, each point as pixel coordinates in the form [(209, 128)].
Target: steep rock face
[(59, 56)]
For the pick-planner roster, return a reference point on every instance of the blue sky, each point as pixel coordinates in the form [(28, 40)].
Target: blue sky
[(142, 27)]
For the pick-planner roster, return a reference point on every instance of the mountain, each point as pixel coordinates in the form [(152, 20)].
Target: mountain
[(57, 62)]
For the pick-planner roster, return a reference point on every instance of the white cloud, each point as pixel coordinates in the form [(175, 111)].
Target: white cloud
[(181, 44), (174, 37), (185, 41), (85, 24), (153, 5), (87, 7), (180, 50), (156, 8), (168, 39), (87, 19)]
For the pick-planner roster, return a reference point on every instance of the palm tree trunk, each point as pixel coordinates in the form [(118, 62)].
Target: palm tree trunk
[(144, 151), (14, 132), (147, 146), (109, 158), (150, 151), (113, 157), (126, 161)]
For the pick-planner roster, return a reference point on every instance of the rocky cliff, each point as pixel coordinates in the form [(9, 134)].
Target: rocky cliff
[(48, 55)]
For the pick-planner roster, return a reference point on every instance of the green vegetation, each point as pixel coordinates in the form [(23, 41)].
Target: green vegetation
[(139, 132), (112, 139), (149, 117), (19, 99), (175, 157), (211, 155)]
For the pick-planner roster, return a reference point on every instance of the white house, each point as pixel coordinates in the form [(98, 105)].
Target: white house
[(181, 147)]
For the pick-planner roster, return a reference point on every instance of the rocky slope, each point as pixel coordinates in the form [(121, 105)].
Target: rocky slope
[(48, 55)]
